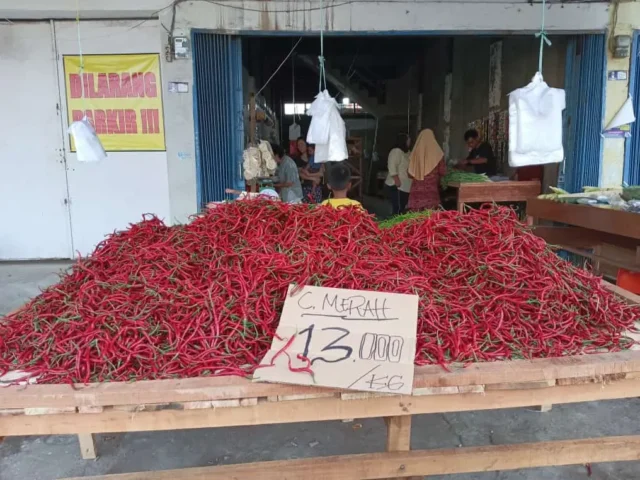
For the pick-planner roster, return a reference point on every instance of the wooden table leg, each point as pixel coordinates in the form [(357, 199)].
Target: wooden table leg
[(87, 446), (460, 206), (399, 436)]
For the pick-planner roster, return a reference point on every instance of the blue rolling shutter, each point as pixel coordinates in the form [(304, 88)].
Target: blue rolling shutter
[(584, 84), (632, 151), (218, 110)]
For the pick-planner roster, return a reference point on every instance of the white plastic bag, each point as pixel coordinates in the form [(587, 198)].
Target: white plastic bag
[(294, 132), (88, 145), (327, 130), (535, 124), (319, 112)]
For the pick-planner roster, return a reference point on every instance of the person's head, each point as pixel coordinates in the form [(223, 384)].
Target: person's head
[(403, 142), (278, 152), (311, 149), (472, 139), (339, 179), (301, 145)]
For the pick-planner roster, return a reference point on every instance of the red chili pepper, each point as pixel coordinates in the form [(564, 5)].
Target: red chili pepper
[(205, 298)]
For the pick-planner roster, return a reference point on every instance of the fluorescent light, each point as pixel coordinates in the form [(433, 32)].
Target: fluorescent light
[(346, 101)]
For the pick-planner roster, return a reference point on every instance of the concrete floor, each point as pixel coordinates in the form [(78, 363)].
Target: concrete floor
[(53, 457)]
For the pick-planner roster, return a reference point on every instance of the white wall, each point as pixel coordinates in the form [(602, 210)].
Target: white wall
[(51, 204), (109, 195), (425, 16), (34, 213)]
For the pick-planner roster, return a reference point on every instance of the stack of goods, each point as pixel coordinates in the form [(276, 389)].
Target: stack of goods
[(204, 299), (619, 198), (258, 162)]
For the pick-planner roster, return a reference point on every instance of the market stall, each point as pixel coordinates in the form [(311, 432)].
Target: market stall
[(223, 402), (609, 237), (490, 192), (190, 313)]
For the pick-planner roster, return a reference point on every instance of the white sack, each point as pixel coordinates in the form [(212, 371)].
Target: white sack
[(88, 145)]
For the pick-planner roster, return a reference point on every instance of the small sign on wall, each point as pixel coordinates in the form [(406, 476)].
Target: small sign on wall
[(350, 339), (617, 75), (178, 87)]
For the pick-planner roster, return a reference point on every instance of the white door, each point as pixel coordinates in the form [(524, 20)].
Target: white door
[(109, 195), (34, 214)]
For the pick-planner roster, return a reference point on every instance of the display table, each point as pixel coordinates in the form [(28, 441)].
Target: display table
[(490, 192), (606, 236), (231, 401)]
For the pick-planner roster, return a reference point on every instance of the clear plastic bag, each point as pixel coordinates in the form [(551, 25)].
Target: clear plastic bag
[(88, 145)]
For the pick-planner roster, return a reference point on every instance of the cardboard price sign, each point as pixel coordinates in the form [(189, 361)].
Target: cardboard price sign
[(349, 339)]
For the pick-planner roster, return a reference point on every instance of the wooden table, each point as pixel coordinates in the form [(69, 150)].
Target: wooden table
[(230, 401), (610, 238), (489, 192)]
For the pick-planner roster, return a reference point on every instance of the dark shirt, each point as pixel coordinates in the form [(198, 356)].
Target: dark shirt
[(484, 150)]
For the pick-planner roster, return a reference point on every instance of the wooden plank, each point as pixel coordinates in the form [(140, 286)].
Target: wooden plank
[(209, 389), (578, 237), (626, 295), (399, 436), (407, 464), (87, 446), (597, 258), (398, 433), (615, 222), (497, 191), (321, 409)]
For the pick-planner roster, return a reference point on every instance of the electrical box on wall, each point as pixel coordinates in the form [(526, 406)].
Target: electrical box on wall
[(181, 48), (621, 46)]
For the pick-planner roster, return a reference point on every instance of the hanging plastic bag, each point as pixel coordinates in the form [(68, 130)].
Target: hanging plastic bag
[(535, 124), (88, 145), (319, 111), (330, 132)]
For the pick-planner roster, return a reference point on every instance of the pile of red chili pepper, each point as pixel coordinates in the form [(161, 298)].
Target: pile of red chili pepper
[(204, 299)]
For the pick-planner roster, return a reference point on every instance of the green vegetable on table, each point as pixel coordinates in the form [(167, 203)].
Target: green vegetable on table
[(405, 217), (631, 193), (458, 176)]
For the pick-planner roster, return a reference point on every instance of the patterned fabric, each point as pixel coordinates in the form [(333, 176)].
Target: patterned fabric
[(425, 194), (312, 193)]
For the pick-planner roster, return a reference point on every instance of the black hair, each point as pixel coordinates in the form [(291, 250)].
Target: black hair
[(402, 141), (339, 176), (278, 151), (312, 145), (301, 138), (473, 133)]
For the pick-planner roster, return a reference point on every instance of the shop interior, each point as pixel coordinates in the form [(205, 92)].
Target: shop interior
[(387, 85)]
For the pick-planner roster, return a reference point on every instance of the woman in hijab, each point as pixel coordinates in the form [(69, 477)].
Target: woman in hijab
[(426, 167)]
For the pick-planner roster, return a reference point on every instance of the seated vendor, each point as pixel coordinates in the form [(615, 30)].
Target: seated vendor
[(339, 182), (288, 177), (481, 158)]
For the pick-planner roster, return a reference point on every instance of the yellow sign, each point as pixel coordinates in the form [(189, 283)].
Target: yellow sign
[(122, 97), (349, 339)]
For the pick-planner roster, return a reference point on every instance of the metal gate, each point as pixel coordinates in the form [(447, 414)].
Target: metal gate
[(632, 150), (218, 110), (584, 85)]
